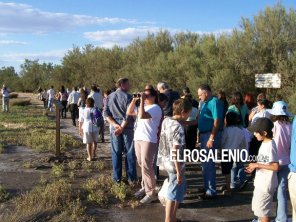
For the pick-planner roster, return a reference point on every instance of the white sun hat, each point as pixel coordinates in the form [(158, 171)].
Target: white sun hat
[(279, 108)]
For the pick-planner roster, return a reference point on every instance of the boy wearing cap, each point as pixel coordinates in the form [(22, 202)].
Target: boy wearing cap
[(266, 167)]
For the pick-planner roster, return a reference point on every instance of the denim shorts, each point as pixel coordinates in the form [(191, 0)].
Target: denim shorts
[(176, 192)]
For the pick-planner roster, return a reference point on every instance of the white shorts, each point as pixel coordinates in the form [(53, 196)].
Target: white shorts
[(90, 137), (262, 203)]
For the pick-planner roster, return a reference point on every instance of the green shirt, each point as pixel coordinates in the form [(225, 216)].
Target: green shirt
[(211, 110), (243, 112)]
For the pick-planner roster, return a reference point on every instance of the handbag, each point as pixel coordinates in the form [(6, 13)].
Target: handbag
[(162, 194)]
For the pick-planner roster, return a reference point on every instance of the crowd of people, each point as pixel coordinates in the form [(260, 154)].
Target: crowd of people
[(152, 127)]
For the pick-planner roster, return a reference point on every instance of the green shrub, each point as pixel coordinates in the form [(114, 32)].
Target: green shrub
[(4, 195), (121, 191), (98, 190), (57, 170), (100, 165), (73, 165), (71, 175), (99, 197), (1, 147), (87, 165), (43, 180)]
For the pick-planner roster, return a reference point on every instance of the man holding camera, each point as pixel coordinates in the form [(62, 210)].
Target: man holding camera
[(122, 131)]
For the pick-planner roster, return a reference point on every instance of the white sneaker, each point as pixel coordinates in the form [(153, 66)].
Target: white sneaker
[(148, 199), (157, 189), (140, 193)]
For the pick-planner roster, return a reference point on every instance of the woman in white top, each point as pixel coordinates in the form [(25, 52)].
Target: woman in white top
[(259, 111), (88, 128), (149, 115)]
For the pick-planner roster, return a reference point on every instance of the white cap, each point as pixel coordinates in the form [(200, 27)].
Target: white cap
[(279, 108)]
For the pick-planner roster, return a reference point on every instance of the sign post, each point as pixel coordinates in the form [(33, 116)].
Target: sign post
[(58, 106), (268, 80)]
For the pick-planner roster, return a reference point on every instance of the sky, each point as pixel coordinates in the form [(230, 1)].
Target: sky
[(47, 29)]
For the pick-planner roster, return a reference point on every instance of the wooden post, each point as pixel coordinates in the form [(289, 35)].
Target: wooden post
[(58, 106), (58, 132)]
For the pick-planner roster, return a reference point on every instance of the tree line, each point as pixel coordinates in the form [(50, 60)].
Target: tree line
[(229, 61)]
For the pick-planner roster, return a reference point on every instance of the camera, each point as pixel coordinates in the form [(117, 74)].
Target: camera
[(136, 95)]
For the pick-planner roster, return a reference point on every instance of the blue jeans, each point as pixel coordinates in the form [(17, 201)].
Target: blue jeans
[(50, 103), (237, 171), (282, 195), (209, 168), (176, 192), (123, 142)]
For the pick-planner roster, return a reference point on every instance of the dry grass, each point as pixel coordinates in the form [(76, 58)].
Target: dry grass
[(11, 95), (57, 201), (14, 125), (19, 102)]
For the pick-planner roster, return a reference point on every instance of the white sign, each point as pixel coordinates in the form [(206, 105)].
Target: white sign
[(269, 80)]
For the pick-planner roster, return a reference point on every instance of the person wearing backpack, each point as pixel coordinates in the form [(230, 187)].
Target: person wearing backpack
[(96, 94), (88, 128)]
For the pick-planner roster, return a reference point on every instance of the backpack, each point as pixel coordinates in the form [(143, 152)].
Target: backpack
[(97, 119)]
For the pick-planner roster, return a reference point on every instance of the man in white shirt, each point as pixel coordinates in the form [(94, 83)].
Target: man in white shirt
[(72, 103), (96, 95), (50, 96)]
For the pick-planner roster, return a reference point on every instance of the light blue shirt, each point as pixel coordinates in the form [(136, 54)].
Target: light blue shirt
[(211, 110), (292, 165)]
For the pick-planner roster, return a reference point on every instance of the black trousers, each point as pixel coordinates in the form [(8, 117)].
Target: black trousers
[(191, 136), (74, 113), (64, 109)]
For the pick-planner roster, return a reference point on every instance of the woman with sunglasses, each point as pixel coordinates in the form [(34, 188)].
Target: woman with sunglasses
[(148, 115)]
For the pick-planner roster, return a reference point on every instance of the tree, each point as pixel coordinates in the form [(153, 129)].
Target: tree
[(9, 77)]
